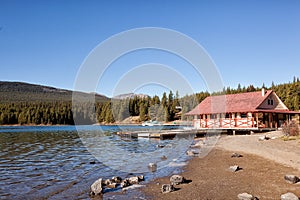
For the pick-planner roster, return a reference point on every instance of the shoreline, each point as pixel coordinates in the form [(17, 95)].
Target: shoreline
[(262, 173), (173, 123)]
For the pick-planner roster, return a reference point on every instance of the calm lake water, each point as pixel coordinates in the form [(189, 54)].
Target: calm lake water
[(53, 162)]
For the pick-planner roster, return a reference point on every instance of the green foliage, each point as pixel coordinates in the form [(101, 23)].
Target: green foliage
[(289, 93), (36, 113)]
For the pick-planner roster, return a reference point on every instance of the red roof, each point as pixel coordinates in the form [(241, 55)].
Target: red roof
[(233, 103), (279, 111)]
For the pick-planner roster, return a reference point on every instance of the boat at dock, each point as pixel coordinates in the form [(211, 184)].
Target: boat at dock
[(151, 123)]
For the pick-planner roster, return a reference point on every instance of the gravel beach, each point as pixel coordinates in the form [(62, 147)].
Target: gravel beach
[(263, 167)]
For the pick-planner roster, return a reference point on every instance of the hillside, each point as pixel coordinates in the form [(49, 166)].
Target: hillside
[(24, 92), (130, 95)]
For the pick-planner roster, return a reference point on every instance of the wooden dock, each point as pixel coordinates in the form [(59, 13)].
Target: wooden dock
[(170, 134), (162, 134)]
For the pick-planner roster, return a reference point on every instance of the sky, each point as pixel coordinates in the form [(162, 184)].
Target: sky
[(250, 42)]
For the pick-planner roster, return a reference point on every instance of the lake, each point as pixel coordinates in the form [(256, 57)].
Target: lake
[(61, 162)]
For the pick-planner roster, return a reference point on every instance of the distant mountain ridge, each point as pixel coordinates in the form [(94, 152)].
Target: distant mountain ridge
[(130, 95), (27, 92)]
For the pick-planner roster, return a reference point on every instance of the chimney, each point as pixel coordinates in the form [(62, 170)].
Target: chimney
[(263, 92)]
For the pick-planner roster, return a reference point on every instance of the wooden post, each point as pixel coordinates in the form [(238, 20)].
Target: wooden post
[(270, 120), (276, 120), (257, 120), (200, 121)]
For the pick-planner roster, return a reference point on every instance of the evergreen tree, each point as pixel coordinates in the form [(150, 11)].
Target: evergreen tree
[(164, 99), (143, 112)]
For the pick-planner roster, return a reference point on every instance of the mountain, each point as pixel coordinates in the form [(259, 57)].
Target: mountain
[(130, 95), (25, 92)]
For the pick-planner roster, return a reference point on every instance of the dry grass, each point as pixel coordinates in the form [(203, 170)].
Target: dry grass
[(288, 138), (291, 129)]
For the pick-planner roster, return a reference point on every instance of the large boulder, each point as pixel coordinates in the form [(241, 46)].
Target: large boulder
[(246, 196), (111, 185), (177, 179), (166, 188), (125, 183), (96, 187), (291, 179), (141, 178), (116, 179), (289, 196), (106, 182), (133, 180)]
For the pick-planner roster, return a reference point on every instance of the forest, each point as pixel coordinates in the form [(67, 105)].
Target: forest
[(22, 103)]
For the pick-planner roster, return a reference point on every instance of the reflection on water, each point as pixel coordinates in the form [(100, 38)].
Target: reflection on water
[(52, 162)]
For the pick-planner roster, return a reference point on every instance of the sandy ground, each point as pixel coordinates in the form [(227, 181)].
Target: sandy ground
[(284, 152), (264, 164)]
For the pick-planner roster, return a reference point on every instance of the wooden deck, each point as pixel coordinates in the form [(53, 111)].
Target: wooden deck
[(170, 134), (162, 134)]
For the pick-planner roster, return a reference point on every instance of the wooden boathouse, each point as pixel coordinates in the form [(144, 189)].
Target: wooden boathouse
[(253, 110)]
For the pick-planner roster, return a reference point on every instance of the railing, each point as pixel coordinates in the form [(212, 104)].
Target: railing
[(225, 123)]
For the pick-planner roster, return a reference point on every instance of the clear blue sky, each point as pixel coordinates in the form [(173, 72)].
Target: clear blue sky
[(251, 42)]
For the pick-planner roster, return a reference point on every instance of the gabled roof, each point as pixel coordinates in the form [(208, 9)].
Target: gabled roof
[(232, 103)]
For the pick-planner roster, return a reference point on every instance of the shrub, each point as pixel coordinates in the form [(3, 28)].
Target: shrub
[(291, 129)]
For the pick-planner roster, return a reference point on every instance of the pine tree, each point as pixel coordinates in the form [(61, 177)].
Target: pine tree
[(164, 99), (143, 112), (239, 88)]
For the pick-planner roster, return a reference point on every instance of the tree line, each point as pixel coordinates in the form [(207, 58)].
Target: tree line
[(289, 93), (167, 108), (57, 112)]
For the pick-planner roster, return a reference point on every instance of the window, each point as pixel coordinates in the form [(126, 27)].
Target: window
[(244, 115), (270, 102), (214, 116)]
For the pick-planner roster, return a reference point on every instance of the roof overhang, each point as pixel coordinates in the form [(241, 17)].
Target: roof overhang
[(252, 111), (279, 111)]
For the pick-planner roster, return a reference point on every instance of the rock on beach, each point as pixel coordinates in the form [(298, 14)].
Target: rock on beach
[(152, 167), (166, 188), (289, 196), (133, 180), (177, 179), (246, 196), (236, 155), (116, 179), (234, 168), (125, 183), (96, 187), (291, 179)]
